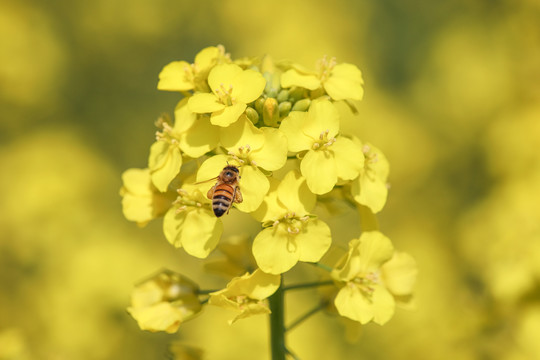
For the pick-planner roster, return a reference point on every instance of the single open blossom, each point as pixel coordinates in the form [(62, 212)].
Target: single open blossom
[(141, 201), (232, 89), (246, 294), (252, 150), (370, 188), (191, 134), (329, 157), (339, 81), (164, 301), (183, 76), (372, 277), (291, 233), (191, 223)]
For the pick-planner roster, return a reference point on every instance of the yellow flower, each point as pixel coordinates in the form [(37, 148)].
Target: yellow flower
[(141, 201), (370, 188), (252, 150), (164, 301), (339, 81), (232, 89), (292, 234), (183, 76), (191, 223), (246, 294), (191, 134), (329, 157), (371, 277)]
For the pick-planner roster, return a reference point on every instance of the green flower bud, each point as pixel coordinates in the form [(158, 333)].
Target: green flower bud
[(296, 94), (284, 108), (259, 104), (252, 115), (273, 85), (302, 105), (271, 112), (283, 96)]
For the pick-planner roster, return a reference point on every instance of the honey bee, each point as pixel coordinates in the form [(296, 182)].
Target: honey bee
[(226, 191)]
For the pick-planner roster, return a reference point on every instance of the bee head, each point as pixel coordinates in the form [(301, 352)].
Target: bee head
[(230, 173)]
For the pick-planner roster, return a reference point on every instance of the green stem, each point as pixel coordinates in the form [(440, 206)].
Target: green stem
[(277, 324), (308, 285), (306, 316)]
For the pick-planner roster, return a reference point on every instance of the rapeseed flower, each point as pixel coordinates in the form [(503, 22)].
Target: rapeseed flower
[(191, 223), (370, 188), (141, 201), (291, 233), (339, 81), (164, 301), (183, 76), (232, 88), (329, 157), (372, 276), (246, 294)]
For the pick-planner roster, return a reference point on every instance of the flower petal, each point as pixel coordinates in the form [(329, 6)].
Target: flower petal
[(241, 133), (319, 169), (254, 185), (201, 232), (349, 158), (323, 116), (375, 249), (352, 304), (258, 285), (293, 78), (202, 103), (273, 155), (369, 191), (294, 194), (314, 241), (162, 316), (211, 168), (164, 162), (227, 115), (223, 75), (200, 138), (141, 202), (292, 127), (248, 86), (399, 274), (176, 76), (184, 118), (274, 250), (197, 230), (345, 82), (207, 57), (383, 305), (270, 209)]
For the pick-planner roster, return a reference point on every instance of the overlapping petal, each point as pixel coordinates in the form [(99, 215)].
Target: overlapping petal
[(164, 163), (245, 294), (345, 82), (141, 201)]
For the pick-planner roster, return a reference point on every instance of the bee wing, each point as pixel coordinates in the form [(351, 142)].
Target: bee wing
[(238, 195)]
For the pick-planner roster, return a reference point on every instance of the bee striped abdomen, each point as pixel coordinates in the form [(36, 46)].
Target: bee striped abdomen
[(222, 199)]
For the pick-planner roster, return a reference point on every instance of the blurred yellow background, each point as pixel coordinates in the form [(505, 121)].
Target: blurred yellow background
[(452, 97)]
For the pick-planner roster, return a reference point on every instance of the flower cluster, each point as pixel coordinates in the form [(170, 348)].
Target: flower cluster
[(277, 123)]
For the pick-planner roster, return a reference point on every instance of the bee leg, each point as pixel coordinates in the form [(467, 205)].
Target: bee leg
[(210, 193)]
